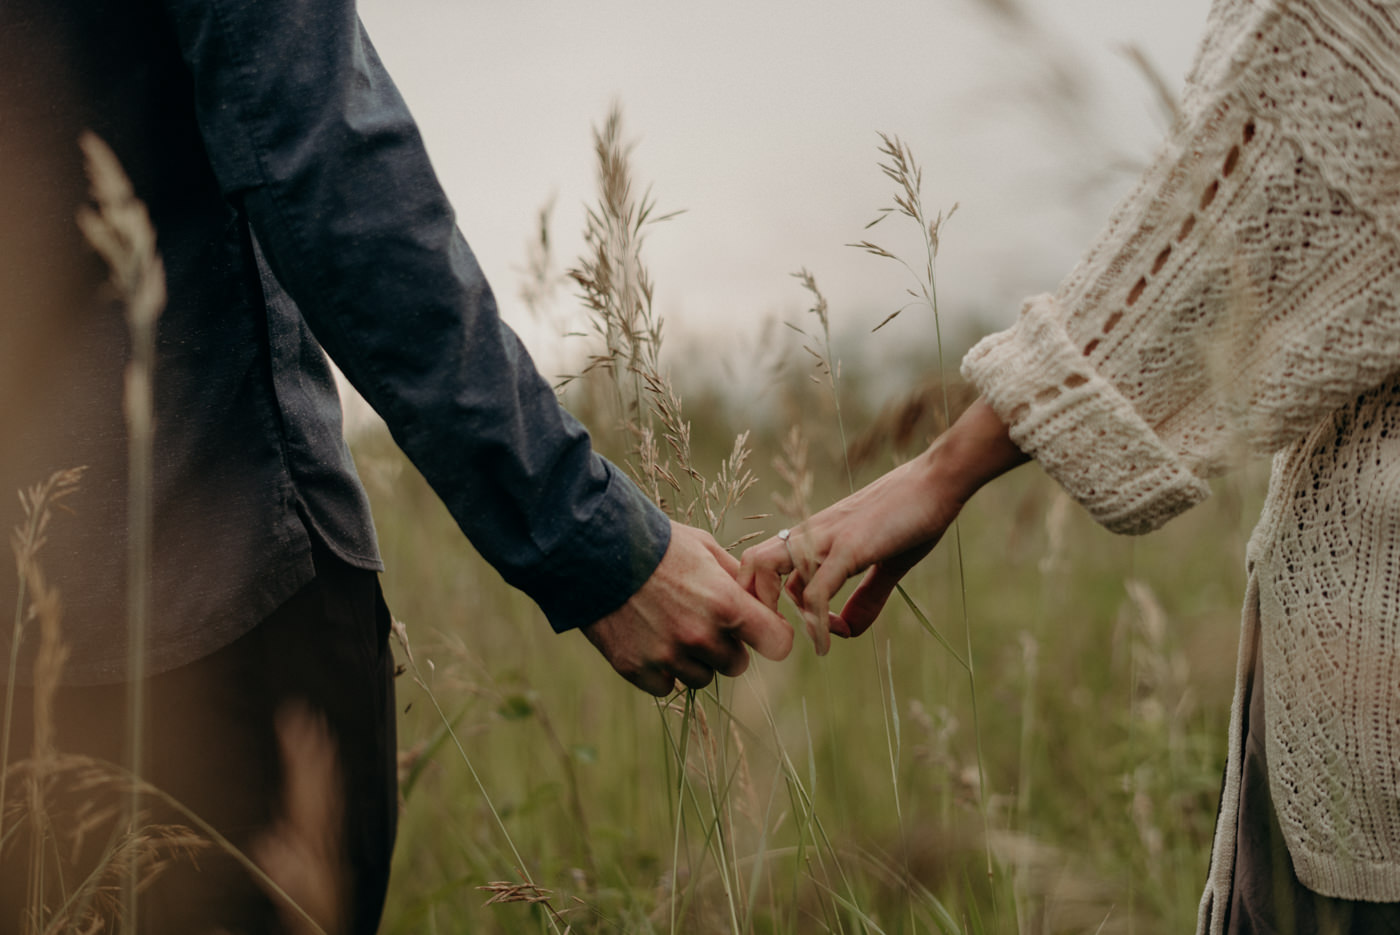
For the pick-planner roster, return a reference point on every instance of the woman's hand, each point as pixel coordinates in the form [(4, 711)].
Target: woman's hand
[(884, 529)]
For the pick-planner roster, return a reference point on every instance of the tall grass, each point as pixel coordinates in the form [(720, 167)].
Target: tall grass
[(900, 167), (818, 759)]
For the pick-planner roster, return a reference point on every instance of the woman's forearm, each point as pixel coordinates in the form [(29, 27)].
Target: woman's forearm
[(976, 450)]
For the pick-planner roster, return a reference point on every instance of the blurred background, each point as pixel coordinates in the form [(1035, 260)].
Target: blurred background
[(759, 120)]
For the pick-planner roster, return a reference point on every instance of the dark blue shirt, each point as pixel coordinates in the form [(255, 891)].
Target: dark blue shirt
[(296, 210)]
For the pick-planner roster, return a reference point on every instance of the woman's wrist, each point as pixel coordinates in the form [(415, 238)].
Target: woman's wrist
[(977, 449)]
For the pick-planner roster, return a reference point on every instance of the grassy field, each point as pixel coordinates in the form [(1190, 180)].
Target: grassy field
[(1047, 761), (839, 793)]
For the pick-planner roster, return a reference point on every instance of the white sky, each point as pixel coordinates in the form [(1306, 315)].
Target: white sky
[(759, 118)]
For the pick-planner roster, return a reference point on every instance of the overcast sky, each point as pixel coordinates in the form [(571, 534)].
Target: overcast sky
[(759, 118)]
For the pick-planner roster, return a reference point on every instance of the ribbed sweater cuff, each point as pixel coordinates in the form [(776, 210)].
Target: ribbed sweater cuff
[(1083, 432)]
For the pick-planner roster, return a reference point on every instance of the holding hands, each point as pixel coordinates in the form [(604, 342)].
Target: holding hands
[(701, 609), (689, 620), (883, 530)]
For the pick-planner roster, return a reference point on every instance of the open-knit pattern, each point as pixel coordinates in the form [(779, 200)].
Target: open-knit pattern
[(1245, 300)]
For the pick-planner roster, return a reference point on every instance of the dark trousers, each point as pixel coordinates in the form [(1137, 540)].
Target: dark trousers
[(316, 807)]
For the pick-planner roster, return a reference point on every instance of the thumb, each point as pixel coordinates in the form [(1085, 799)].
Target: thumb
[(866, 602), (874, 590), (763, 629)]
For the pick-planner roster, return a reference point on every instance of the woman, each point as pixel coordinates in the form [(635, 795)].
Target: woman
[(1242, 301)]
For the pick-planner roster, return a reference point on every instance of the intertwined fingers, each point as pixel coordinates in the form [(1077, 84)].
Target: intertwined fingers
[(797, 556)]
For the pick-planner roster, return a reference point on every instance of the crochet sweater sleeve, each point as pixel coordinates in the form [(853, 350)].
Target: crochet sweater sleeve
[(1245, 289)]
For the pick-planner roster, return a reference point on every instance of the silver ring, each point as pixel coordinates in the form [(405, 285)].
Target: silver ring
[(785, 535)]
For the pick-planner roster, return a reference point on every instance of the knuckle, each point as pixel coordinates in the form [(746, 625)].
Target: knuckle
[(653, 686), (727, 608), (670, 658), (698, 679), (754, 554), (737, 664), (689, 639)]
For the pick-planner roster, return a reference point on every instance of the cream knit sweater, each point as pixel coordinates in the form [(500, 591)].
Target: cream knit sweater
[(1245, 300)]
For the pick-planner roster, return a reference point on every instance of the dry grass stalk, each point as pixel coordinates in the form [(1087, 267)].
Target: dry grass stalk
[(1057, 518), (69, 892), (1167, 102), (97, 902), (36, 602), (527, 703), (38, 504), (903, 169), (1161, 674), (400, 633), (746, 791), (708, 766), (900, 167), (26, 541), (828, 367), (48, 662), (503, 891), (132, 859), (791, 465), (119, 228), (616, 288), (302, 852), (48, 668), (729, 486), (709, 747), (617, 291), (664, 405), (821, 310), (542, 278)]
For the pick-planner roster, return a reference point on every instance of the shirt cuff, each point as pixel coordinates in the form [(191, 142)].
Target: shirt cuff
[(1080, 428), (607, 560)]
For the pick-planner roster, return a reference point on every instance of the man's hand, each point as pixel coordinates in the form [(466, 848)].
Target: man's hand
[(689, 621)]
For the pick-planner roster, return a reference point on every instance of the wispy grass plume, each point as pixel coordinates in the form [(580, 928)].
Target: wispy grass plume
[(901, 168), (617, 292), (38, 504), (119, 228)]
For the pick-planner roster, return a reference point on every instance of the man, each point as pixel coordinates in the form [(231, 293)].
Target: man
[(294, 206)]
